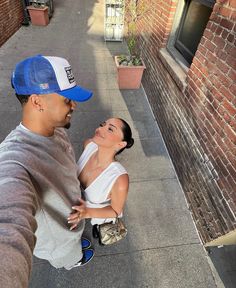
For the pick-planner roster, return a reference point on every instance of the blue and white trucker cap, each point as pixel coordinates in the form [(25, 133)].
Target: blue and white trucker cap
[(47, 74)]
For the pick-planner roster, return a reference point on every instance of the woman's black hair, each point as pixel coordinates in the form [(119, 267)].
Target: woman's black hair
[(127, 135)]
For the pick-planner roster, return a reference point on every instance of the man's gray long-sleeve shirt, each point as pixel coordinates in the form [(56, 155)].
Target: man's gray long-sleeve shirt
[(38, 187)]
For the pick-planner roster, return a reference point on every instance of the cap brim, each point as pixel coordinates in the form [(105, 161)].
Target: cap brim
[(77, 93)]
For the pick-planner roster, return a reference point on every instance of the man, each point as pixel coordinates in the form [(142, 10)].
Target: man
[(38, 173)]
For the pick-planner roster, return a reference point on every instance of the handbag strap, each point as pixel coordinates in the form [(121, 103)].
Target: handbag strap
[(113, 217), (116, 213)]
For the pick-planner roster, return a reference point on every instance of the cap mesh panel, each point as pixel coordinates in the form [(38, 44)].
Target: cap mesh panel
[(35, 75)]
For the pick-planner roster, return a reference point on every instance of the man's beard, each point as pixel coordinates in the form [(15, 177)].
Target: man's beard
[(67, 126)]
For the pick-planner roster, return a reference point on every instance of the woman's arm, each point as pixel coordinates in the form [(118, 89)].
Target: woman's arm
[(118, 197), (119, 193)]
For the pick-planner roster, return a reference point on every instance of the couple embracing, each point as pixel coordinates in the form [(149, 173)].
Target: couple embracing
[(42, 210)]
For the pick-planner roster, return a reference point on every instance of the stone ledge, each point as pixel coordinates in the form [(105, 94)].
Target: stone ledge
[(177, 72)]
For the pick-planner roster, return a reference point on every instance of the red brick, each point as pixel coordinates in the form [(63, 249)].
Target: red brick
[(223, 68), (233, 15), (230, 146), (219, 42), (202, 49), (210, 97), (225, 11), (222, 169), (219, 30), (231, 61), (215, 82), (214, 18), (232, 3), (230, 133), (232, 159), (224, 34), (230, 49), (232, 88), (217, 126), (225, 80), (227, 118), (215, 104), (208, 34), (230, 38), (226, 93), (232, 123), (216, 8), (232, 206), (11, 16), (213, 27), (227, 24), (209, 127), (221, 54), (210, 46), (212, 59)]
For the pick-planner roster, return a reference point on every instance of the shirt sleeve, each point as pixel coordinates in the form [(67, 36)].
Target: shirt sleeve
[(18, 205)]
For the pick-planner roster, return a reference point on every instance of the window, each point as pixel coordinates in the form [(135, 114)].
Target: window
[(190, 22)]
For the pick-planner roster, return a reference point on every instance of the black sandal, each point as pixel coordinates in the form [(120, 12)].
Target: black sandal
[(95, 231)]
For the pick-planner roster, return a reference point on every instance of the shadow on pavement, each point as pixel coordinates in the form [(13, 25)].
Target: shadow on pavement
[(224, 260)]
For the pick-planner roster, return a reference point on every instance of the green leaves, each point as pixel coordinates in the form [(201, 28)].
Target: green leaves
[(129, 60)]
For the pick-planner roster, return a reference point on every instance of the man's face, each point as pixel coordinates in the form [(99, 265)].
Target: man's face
[(58, 110)]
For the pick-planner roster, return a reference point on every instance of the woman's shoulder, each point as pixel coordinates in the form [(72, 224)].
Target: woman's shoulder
[(122, 183), (119, 167)]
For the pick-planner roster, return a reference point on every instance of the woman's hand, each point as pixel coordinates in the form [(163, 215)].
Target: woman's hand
[(80, 212)]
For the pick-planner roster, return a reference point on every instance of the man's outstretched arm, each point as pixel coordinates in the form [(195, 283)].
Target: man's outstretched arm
[(17, 225)]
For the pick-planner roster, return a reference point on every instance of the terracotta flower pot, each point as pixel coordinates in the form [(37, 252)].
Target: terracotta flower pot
[(38, 16), (129, 77)]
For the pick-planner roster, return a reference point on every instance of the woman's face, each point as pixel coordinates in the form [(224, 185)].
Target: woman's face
[(109, 134)]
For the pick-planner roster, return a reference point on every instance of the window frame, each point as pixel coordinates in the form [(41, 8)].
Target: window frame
[(180, 14)]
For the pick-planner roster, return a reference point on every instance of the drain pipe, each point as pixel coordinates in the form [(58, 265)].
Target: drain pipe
[(25, 21)]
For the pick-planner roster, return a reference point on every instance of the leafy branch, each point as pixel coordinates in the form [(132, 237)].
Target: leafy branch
[(136, 10)]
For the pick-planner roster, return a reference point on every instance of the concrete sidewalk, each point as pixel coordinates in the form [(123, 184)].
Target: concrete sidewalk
[(162, 248)]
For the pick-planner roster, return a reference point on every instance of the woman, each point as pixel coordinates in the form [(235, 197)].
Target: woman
[(104, 181)]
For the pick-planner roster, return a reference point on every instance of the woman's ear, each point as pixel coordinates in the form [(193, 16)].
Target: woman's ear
[(122, 144)]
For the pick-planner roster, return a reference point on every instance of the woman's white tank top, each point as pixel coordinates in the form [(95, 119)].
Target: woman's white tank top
[(97, 192)]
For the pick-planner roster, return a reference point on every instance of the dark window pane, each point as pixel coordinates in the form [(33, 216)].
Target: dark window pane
[(192, 26)]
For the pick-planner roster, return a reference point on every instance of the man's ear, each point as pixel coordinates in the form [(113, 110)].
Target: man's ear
[(36, 101)]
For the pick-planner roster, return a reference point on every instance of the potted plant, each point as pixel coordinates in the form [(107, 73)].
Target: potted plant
[(130, 67), (38, 12)]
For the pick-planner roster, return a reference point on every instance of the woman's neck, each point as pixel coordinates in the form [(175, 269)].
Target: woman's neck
[(104, 157)]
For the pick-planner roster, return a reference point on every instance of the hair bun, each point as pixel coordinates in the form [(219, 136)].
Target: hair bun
[(130, 143)]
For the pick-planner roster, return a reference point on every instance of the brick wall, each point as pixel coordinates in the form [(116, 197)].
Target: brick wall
[(198, 117), (11, 17)]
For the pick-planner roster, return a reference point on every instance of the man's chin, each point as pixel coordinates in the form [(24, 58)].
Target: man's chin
[(67, 126)]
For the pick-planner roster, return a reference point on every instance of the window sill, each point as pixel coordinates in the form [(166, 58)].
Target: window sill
[(178, 72)]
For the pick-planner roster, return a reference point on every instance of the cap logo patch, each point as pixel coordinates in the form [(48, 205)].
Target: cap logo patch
[(44, 86), (69, 74)]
